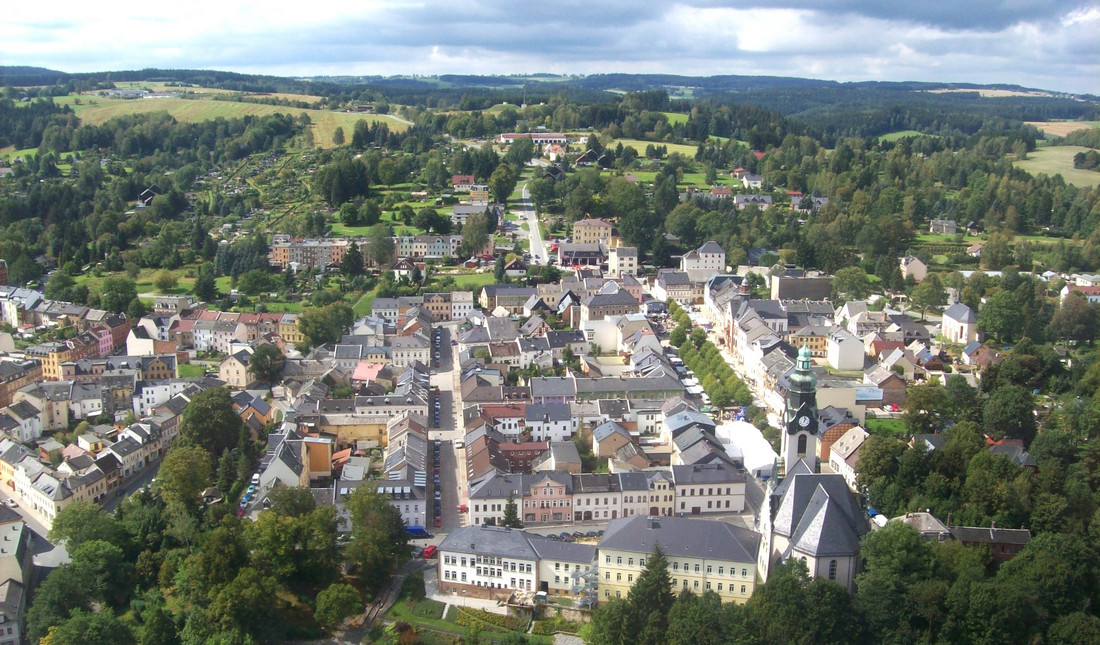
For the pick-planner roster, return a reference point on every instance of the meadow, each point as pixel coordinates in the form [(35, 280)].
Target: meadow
[(94, 110), (1052, 160), (1062, 128)]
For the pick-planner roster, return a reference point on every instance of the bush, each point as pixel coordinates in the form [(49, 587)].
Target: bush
[(413, 587), (479, 619), (554, 624)]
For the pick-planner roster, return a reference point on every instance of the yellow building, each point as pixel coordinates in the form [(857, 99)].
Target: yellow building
[(703, 555), (288, 329)]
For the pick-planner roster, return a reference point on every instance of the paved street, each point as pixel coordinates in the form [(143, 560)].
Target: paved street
[(538, 247)]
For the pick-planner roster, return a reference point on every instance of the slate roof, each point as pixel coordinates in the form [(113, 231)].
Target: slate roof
[(818, 514), (961, 313), (489, 540), (682, 537)]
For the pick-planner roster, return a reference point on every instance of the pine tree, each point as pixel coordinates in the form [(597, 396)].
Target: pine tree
[(650, 600), (511, 514)]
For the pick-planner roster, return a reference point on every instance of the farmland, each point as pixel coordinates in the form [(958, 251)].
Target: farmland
[(1062, 128), (97, 110), (1053, 160)]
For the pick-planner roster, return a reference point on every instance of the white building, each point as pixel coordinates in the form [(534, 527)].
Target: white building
[(709, 257), (843, 350), (960, 324)]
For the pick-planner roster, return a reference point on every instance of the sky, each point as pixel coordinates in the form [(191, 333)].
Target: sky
[(1052, 44)]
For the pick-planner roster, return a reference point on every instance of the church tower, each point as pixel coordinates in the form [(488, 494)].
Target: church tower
[(799, 437)]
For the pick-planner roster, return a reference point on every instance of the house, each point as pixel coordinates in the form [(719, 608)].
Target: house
[(942, 227), (552, 422), (608, 437), (462, 183), (562, 456), (960, 324), (1003, 544), (912, 266), (403, 269), (715, 487), (844, 455), (234, 369), (592, 231), (515, 269), (613, 301), (581, 254), (843, 350), (622, 261), (702, 555), (708, 257)]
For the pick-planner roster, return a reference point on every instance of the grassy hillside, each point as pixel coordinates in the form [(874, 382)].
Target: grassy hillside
[(1053, 160), (96, 110)]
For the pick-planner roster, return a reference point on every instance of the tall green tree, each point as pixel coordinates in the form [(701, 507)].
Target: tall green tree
[(208, 421), (266, 364), (335, 603), (502, 183), (511, 514), (183, 475), (352, 263), (322, 325), (379, 540)]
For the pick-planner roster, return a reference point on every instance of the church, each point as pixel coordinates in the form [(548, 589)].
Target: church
[(807, 514)]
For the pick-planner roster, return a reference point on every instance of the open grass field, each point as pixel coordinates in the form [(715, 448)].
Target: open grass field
[(675, 117), (1062, 128), (473, 281), (886, 427), (901, 134), (639, 145), (1052, 160), (94, 110)]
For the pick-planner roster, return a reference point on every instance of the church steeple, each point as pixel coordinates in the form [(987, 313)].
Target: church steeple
[(800, 418)]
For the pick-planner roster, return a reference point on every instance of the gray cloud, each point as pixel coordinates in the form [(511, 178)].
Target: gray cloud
[(1054, 45)]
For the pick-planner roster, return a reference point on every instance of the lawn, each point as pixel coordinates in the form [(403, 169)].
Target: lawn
[(473, 281), (362, 306), (94, 110), (1052, 160), (188, 370), (888, 427)]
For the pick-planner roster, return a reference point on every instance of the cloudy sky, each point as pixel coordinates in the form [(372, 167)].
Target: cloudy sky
[(1053, 44)]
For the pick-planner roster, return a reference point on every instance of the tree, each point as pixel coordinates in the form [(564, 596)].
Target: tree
[(650, 600), (502, 182), (183, 475), (1010, 412), (352, 263), (1001, 316), (322, 325), (511, 514), (335, 603), (266, 363), (698, 337), (960, 399), (90, 628), (379, 540), (678, 336), (929, 294), (116, 293), (292, 501), (378, 246), (851, 283), (498, 269), (475, 235), (1075, 320), (104, 572), (81, 522), (206, 288), (165, 281), (338, 136), (923, 407), (208, 421)]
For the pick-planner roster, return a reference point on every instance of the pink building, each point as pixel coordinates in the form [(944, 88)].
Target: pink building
[(549, 499)]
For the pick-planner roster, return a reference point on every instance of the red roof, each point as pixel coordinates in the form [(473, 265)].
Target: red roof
[(759, 155)]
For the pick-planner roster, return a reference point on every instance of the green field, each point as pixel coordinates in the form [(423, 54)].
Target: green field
[(886, 427), (901, 134), (639, 145), (1052, 160), (94, 110), (675, 117), (473, 281)]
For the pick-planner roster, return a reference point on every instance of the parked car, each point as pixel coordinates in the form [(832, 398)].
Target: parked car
[(10, 503), (430, 551), (566, 537), (437, 523)]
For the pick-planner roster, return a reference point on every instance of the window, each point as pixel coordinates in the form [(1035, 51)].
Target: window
[(630, 577), (607, 559), (675, 566), (832, 569), (463, 576), (744, 573), (721, 570), (606, 575), (618, 559), (708, 585), (630, 561), (801, 445), (557, 579), (696, 568), (695, 585), (710, 569), (557, 566), (618, 577), (719, 587), (742, 588)]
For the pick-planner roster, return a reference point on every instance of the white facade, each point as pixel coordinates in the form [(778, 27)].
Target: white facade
[(844, 351)]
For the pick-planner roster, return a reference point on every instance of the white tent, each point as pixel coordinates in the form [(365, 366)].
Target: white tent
[(743, 441)]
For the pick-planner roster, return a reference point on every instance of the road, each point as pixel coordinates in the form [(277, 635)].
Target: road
[(538, 247), (43, 552)]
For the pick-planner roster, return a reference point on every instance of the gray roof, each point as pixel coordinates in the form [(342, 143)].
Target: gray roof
[(992, 535), (682, 537), (553, 386), (716, 472), (820, 515), (547, 412), (489, 540), (961, 313), (710, 247), (558, 550), (610, 300), (608, 428)]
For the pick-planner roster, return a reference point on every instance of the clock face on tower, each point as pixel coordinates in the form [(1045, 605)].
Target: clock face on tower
[(804, 421)]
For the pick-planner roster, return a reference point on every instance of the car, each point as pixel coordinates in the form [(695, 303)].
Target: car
[(418, 552), (462, 508), (578, 534), (430, 551), (454, 343), (437, 523), (438, 494), (255, 479), (240, 512), (590, 534), (565, 536), (120, 492), (11, 503)]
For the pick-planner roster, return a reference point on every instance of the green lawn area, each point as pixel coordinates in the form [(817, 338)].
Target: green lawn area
[(362, 306), (473, 281), (144, 280), (188, 370), (889, 427), (424, 613), (1052, 160)]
